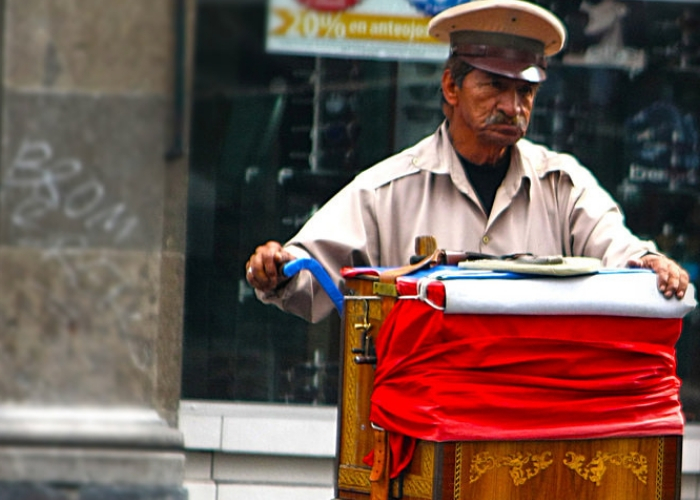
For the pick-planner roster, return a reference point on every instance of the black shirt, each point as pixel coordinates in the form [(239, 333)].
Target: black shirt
[(486, 179)]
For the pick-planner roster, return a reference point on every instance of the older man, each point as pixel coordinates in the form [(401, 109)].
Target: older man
[(475, 184)]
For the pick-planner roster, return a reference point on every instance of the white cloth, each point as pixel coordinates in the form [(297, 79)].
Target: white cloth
[(610, 292)]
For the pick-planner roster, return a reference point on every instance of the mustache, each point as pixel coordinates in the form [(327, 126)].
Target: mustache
[(499, 118)]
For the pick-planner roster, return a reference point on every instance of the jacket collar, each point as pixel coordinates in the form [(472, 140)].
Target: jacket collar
[(527, 162)]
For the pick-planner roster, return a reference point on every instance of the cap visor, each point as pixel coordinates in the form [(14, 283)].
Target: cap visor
[(510, 69)]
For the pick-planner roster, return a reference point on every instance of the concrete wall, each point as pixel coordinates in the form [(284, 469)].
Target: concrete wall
[(92, 225)]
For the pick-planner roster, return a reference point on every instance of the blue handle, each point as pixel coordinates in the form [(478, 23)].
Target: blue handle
[(293, 267)]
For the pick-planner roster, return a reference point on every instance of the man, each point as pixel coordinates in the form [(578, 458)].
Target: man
[(475, 184)]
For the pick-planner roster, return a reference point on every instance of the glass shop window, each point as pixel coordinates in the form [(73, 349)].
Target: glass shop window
[(274, 136)]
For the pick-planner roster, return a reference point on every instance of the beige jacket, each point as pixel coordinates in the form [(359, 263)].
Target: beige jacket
[(548, 204)]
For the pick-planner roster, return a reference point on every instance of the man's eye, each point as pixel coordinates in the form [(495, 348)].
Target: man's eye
[(527, 90)]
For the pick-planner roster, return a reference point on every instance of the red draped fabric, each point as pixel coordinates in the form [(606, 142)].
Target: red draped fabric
[(449, 377)]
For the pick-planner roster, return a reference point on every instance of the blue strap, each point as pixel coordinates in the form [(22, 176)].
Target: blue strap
[(320, 274)]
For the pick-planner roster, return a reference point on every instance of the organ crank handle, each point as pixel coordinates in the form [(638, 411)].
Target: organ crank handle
[(320, 274)]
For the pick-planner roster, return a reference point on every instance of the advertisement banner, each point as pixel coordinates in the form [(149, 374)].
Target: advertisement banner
[(379, 29)]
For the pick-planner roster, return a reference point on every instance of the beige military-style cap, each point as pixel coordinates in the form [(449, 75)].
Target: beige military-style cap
[(512, 38)]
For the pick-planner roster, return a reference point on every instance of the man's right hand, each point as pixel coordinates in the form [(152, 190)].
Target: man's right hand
[(264, 267)]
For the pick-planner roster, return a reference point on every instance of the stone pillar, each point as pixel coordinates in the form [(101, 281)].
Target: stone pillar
[(93, 183)]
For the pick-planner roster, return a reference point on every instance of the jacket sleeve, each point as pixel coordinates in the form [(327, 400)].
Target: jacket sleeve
[(596, 223), (343, 232)]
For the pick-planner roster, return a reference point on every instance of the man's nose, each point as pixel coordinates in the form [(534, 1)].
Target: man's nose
[(510, 102)]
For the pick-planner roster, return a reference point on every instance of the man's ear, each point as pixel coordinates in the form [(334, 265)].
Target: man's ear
[(449, 87)]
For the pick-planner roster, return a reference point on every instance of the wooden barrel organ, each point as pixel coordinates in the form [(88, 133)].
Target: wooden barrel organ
[(626, 468)]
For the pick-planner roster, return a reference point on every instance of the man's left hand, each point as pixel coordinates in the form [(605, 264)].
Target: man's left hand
[(672, 278)]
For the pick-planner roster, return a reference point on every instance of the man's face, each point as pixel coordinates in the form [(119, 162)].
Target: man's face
[(495, 109)]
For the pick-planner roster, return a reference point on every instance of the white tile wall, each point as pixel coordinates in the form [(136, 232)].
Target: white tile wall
[(201, 490), (691, 449), (259, 428), (291, 436), (273, 469), (199, 465), (258, 492), (201, 432), (689, 487)]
